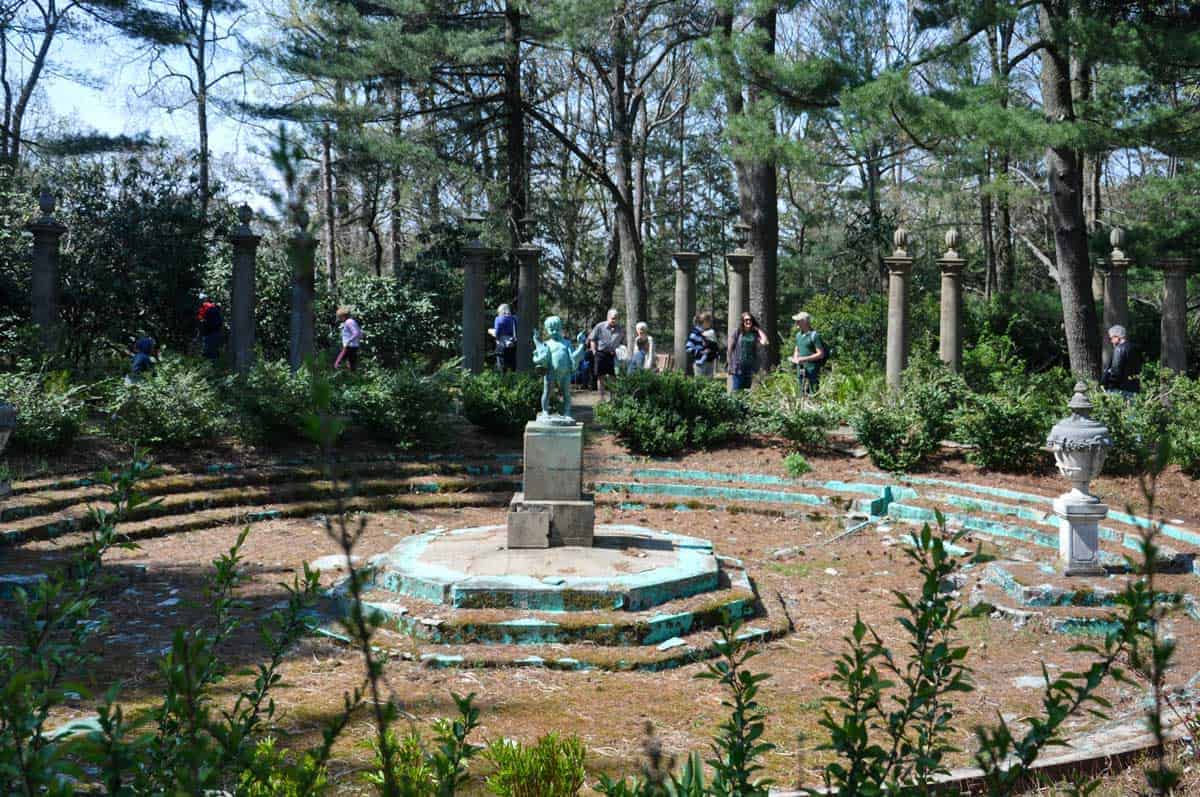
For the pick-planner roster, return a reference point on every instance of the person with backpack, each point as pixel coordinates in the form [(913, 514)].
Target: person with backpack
[(212, 326), (809, 354)]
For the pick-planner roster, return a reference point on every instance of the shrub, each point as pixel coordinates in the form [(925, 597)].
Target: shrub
[(796, 465), (272, 400), (778, 406), (401, 406), (992, 364), (501, 402), (551, 768), (662, 414), (177, 404), (1135, 423), (1007, 430), (49, 409), (896, 438), (1185, 431)]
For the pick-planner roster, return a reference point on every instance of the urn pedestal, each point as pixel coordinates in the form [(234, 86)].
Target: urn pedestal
[(1080, 446)]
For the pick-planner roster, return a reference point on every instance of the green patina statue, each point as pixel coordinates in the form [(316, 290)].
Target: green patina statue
[(560, 362)]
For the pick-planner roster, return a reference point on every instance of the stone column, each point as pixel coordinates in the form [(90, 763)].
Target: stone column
[(527, 304), (950, 331), (1116, 289), (47, 236), (242, 292), (302, 250), (739, 279), (1174, 312), (685, 305), (899, 265), (475, 259)]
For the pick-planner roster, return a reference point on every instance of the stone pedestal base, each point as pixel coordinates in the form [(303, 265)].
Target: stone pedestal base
[(546, 524), (1079, 535), (553, 461)]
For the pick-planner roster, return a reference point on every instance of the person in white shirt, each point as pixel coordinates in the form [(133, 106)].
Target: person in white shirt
[(351, 339)]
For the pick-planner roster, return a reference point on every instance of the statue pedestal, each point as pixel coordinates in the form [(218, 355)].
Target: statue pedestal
[(1079, 534), (552, 510)]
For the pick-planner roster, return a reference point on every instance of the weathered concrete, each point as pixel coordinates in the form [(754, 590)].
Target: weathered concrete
[(739, 265), (685, 305), (950, 330), (546, 524), (1079, 536), (899, 266), (529, 257), (47, 236), (1174, 312), (302, 250), (628, 567), (553, 462), (242, 291), (1116, 289), (475, 259)]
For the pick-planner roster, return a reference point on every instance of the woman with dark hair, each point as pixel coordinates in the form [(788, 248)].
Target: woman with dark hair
[(746, 345)]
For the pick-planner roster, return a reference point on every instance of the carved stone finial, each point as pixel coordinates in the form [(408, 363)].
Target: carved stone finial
[(301, 217), (245, 214), (46, 201), (525, 228), (1117, 239), (952, 242), (741, 234), (900, 241)]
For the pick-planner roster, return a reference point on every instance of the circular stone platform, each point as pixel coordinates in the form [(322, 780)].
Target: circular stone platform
[(629, 567)]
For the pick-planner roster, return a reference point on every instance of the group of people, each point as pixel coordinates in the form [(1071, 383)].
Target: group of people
[(607, 353), (210, 329), (746, 350)]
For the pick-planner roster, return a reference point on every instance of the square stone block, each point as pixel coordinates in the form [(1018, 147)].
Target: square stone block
[(553, 484), (553, 447), (566, 522), (528, 525)]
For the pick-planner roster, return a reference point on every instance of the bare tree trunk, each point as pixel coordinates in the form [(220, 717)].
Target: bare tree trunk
[(514, 124), (986, 230), (327, 203), (633, 275), (1066, 200)]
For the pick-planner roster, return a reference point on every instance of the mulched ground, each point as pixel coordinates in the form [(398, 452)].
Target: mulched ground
[(824, 590)]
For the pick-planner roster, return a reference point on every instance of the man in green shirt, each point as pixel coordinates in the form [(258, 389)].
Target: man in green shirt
[(809, 354)]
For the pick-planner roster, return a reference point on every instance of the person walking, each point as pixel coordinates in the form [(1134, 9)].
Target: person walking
[(212, 326), (504, 330), (701, 345), (745, 351), (1121, 374), (604, 340), (351, 333), (809, 354)]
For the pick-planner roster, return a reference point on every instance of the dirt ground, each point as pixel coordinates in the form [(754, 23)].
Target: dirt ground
[(161, 587)]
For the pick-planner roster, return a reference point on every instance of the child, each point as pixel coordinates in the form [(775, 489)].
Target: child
[(706, 360)]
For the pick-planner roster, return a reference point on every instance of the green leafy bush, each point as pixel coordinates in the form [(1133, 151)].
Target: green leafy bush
[(796, 465), (49, 409), (272, 400), (177, 404), (662, 414), (1007, 429), (401, 406), (1185, 430), (501, 402), (896, 437), (551, 768), (1137, 424), (778, 406)]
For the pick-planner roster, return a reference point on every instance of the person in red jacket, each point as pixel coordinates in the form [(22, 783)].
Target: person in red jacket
[(211, 327)]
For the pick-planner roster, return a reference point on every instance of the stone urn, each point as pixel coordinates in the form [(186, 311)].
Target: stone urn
[(8, 421), (1080, 445)]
